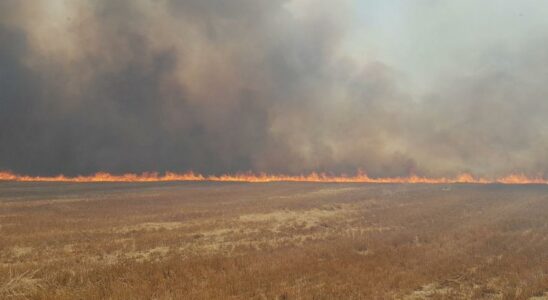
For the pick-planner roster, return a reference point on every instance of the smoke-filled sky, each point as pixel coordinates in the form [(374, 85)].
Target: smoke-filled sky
[(391, 87)]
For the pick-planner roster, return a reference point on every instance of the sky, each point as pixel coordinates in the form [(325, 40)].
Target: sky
[(392, 88), (426, 39)]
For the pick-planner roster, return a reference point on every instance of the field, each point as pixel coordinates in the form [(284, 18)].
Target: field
[(200, 240)]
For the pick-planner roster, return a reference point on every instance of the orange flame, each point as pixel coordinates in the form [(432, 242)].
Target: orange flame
[(263, 177)]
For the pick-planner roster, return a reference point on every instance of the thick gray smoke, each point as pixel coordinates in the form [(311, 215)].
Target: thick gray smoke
[(247, 85)]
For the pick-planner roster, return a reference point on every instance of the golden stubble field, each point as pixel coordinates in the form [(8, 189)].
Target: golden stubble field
[(272, 241)]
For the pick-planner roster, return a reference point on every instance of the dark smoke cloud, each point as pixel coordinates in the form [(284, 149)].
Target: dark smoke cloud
[(227, 86)]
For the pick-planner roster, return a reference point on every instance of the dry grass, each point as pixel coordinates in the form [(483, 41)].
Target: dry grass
[(19, 285), (272, 241)]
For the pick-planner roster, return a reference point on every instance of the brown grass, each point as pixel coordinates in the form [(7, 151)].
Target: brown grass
[(272, 241), (19, 285)]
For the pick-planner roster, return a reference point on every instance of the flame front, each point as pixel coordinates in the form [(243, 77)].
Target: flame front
[(263, 177)]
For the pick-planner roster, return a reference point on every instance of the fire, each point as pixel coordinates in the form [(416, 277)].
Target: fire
[(263, 177)]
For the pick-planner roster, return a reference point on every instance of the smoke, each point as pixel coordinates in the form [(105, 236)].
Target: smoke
[(248, 85)]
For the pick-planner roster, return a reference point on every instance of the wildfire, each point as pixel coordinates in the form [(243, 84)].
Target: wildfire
[(263, 177)]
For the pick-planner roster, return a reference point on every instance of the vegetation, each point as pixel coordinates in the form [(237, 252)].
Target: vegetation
[(272, 241)]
